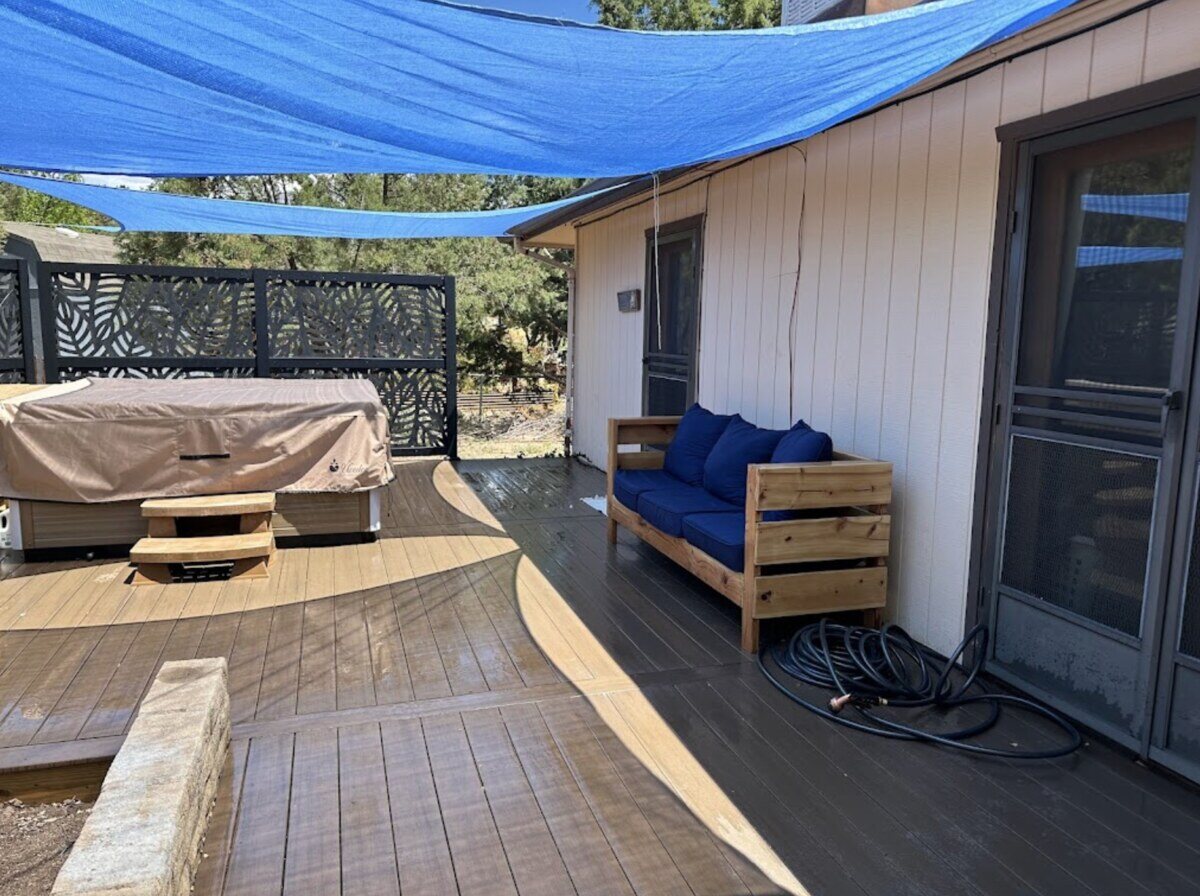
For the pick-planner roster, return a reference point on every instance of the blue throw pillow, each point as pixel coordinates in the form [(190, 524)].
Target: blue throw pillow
[(697, 433), (740, 445), (802, 444)]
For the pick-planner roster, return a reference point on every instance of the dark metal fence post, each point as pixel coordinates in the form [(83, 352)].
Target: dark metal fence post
[(262, 327), (25, 299), (47, 306), (451, 371)]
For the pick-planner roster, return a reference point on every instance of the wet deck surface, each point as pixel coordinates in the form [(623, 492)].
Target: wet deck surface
[(490, 699)]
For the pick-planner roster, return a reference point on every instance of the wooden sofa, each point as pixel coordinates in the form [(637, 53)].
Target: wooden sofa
[(832, 559)]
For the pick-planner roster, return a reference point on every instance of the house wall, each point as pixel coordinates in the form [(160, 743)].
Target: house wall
[(889, 220)]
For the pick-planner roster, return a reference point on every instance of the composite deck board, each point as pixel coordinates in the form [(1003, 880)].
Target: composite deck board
[(662, 639), (70, 713), (458, 657), (218, 839), (281, 664), (317, 684), (418, 833), (975, 829), (646, 862), (314, 864), (247, 660), (490, 698), (710, 870), (820, 805), (533, 856), (480, 863), (586, 852), (930, 844), (625, 636), (675, 621), (257, 849), (368, 847)]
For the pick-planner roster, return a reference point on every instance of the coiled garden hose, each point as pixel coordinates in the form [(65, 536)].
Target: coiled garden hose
[(868, 668)]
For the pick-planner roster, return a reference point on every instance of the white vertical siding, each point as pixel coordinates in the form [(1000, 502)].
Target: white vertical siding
[(891, 219)]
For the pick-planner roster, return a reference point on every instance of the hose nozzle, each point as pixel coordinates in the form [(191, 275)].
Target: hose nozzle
[(837, 704)]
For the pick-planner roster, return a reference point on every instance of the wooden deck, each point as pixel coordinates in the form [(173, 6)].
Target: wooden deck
[(489, 699)]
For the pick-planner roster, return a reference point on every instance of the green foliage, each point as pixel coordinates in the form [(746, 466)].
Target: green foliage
[(511, 310), (19, 204), (688, 15)]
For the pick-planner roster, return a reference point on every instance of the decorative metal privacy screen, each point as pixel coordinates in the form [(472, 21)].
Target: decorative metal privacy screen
[(144, 321), (16, 350)]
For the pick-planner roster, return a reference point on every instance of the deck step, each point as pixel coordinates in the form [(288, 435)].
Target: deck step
[(209, 505), (204, 549)]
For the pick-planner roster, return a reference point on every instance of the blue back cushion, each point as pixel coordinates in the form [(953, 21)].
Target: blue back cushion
[(802, 444), (697, 433), (740, 445)]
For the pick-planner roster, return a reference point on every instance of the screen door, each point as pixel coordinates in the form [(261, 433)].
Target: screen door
[(1089, 529), (672, 317)]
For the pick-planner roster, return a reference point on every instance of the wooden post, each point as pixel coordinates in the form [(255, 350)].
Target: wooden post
[(873, 618), (610, 474), (750, 570)]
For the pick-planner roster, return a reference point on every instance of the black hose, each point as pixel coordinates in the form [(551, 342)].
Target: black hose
[(869, 667)]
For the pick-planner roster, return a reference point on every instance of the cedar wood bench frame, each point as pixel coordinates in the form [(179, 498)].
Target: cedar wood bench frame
[(856, 492)]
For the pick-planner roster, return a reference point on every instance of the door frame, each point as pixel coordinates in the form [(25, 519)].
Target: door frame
[(1004, 299), (671, 229)]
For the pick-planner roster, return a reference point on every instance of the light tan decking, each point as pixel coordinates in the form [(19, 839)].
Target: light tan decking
[(489, 699)]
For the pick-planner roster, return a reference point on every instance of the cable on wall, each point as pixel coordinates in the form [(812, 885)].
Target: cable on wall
[(796, 290)]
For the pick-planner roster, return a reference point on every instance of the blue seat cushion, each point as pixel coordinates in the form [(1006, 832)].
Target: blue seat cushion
[(666, 509), (802, 444), (740, 445), (698, 431), (720, 535), (628, 484)]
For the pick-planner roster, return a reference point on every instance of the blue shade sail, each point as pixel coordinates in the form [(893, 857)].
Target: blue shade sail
[(210, 87), (166, 212), (1108, 256), (1164, 206)]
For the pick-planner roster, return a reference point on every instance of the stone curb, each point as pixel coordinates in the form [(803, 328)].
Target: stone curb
[(143, 836)]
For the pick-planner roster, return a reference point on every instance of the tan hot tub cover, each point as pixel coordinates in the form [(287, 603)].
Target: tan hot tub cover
[(119, 440)]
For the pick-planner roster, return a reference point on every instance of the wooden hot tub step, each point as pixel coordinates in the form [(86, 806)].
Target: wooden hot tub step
[(253, 510), (210, 505), (250, 553)]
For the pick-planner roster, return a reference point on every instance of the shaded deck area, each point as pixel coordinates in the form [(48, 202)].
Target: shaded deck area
[(491, 699)]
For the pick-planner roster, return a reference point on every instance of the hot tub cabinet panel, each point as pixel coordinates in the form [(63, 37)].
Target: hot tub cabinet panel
[(49, 524)]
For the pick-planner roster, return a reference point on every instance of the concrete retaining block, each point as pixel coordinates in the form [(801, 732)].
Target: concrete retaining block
[(143, 837)]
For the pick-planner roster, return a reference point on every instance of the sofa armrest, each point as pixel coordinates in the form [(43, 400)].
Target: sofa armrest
[(854, 494), (637, 431), (854, 482), (641, 430)]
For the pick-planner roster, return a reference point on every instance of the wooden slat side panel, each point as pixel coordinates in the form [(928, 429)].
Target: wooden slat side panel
[(825, 591), (826, 484), (651, 433), (835, 538), (640, 460)]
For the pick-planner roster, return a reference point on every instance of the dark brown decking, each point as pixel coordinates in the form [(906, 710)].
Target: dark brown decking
[(489, 699)]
